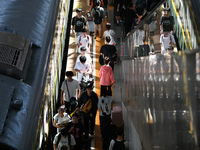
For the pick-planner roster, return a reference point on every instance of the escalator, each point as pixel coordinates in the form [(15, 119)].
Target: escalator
[(161, 92)]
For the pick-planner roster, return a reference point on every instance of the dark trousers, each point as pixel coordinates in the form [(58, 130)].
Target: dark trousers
[(88, 125), (102, 122), (106, 89)]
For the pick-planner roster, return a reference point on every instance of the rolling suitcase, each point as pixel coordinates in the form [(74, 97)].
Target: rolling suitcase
[(117, 116)]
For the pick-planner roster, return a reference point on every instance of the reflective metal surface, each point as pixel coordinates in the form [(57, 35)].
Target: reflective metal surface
[(161, 94)]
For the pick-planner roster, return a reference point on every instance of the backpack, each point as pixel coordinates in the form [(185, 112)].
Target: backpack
[(69, 139), (97, 16), (167, 24), (119, 145)]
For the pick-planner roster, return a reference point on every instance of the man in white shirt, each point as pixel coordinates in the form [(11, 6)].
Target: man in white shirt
[(166, 40), (83, 68), (88, 57), (73, 87), (83, 40)]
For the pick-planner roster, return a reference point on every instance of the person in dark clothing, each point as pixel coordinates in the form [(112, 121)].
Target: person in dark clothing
[(167, 22), (76, 129), (78, 22), (109, 132), (117, 10), (129, 18), (88, 116), (110, 51), (151, 4)]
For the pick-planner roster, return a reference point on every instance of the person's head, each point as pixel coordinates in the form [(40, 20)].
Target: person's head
[(83, 49), (69, 74), (75, 118), (98, 3), (84, 31), (63, 148), (89, 87), (64, 132), (79, 11), (83, 59), (108, 39), (106, 60), (120, 131), (108, 26), (61, 110), (166, 11)]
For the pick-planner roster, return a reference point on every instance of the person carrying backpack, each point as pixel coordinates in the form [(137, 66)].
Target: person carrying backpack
[(64, 139), (119, 143), (99, 16)]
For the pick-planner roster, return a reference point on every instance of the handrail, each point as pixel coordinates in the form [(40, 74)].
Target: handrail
[(147, 17)]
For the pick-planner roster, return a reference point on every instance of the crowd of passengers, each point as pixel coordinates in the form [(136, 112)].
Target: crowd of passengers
[(75, 120)]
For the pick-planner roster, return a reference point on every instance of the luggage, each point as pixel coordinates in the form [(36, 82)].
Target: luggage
[(117, 116)]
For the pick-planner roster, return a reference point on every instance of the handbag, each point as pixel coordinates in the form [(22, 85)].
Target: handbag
[(87, 107), (72, 100)]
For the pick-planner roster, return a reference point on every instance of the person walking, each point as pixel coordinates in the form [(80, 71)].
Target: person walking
[(70, 92), (88, 105), (110, 51), (99, 16), (61, 119), (78, 22), (106, 78)]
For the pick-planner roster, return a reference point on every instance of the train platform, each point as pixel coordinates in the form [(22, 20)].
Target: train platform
[(96, 142)]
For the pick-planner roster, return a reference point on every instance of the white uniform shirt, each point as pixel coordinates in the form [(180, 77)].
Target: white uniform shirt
[(85, 41), (64, 142), (84, 68), (110, 33), (72, 86), (62, 120), (166, 42)]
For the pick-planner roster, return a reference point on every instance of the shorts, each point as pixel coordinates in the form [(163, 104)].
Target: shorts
[(98, 26)]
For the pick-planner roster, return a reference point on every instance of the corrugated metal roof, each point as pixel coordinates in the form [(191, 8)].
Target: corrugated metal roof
[(27, 17)]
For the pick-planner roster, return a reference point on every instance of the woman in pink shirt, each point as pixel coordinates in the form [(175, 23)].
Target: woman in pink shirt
[(106, 77)]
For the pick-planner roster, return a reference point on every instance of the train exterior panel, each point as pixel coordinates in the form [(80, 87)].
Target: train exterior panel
[(26, 126)]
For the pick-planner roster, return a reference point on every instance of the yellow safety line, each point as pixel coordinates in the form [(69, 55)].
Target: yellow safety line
[(195, 24), (188, 34), (54, 83), (181, 25)]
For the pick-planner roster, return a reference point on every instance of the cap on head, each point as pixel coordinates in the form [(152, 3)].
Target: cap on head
[(166, 9), (83, 48), (108, 25), (78, 10)]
